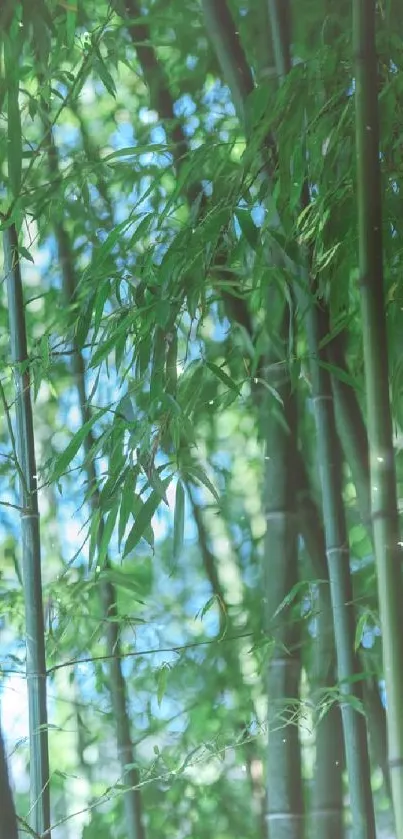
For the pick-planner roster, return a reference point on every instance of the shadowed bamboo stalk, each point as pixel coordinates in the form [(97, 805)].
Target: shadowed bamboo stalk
[(280, 570), (8, 818), (337, 551), (385, 522), (31, 544), (354, 725)]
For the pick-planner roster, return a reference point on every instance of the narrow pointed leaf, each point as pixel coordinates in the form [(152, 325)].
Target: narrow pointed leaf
[(179, 520), (143, 519)]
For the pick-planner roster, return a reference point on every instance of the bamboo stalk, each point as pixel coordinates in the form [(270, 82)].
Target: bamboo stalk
[(329, 462), (326, 815), (160, 97), (285, 808), (354, 727), (352, 433), (8, 818), (31, 544), (337, 551), (311, 529), (385, 520), (117, 685), (284, 785)]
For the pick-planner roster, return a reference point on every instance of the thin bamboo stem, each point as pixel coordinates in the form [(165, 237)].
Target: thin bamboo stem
[(385, 520), (117, 685), (337, 551), (31, 544), (329, 462)]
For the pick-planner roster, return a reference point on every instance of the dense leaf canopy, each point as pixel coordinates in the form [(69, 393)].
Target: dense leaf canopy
[(201, 388)]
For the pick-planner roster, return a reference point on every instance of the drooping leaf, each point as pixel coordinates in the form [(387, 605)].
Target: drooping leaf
[(220, 373), (162, 676), (108, 529), (248, 227), (14, 138), (196, 472), (179, 520), (143, 519), (290, 596), (64, 459)]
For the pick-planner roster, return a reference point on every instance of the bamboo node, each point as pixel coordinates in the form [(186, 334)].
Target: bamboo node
[(395, 763), (293, 816)]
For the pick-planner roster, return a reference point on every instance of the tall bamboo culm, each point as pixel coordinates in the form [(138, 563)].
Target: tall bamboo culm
[(284, 799), (329, 462), (384, 510), (117, 685), (284, 804), (31, 544)]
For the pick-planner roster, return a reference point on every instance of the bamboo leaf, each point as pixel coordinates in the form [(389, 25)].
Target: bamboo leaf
[(219, 372), (124, 581), (143, 519), (198, 473), (71, 17), (162, 677), (111, 240), (290, 596), (359, 630), (179, 520), (104, 74), (134, 151), (14, 139), (248, 228), (126, 503), (25, 253), (212, 601), (65, 458), (107, 533)]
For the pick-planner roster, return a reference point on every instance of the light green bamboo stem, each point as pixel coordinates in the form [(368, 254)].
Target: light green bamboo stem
[(385, 521), (31, 544), (285, 809)]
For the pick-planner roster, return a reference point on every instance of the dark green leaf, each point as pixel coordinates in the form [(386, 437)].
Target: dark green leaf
[(219, 372), (248, 227)]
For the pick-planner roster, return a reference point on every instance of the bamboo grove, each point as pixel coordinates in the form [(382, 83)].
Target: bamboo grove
[(201, 436)]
